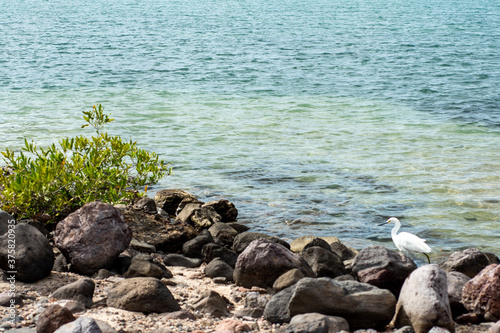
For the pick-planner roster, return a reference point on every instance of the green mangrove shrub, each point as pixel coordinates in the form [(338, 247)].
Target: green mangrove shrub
[(49, 183)]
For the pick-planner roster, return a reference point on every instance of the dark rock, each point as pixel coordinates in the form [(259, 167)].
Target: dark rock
[(223, 233), (53, 317), (121, 264), (423, 302), (344, 252), (193, 247), (61, 264), (239, 227), (492, 258), (92, 237), (169, 199), (158, 231), (145, 204), (146, 268), (142, 294), (288, 279), (225, 209), (5, 220), (481, 295), (241, 241), (263, 261), (7, 298), (470, 262), (211, 303), (298, 244), (318, 242), (174, 259), (219, 268), (81, 291), (204, 217), (33, 254), (323, 262), (316, 322), (456, 282), (184, 216), (254, 305), (80, 325), (361, 304), (211, 251), (142, 246), (383, 268)]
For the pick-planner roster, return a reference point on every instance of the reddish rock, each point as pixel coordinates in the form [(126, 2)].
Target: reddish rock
[(93, 236), (53, 317), (481, 295), (232, 326)]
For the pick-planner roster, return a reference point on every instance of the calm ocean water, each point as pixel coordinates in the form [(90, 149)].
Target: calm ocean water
[(314, 117)]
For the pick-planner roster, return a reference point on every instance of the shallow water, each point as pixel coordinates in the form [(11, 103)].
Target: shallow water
[(319, 118)]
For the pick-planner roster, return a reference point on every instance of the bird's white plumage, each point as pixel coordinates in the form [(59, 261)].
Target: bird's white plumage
[(405, 241)]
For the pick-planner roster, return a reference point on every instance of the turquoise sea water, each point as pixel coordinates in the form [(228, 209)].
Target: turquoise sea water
[(313, 117)]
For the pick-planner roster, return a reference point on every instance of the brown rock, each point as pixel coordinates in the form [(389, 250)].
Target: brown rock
[(53, 317), (288, 279), (93, 236), (481, 295), (470, 262), (225, 209), (232, 326)]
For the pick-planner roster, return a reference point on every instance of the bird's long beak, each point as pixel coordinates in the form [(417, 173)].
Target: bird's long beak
[(383, 223)]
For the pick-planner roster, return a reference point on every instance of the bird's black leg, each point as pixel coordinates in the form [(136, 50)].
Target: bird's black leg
[(428, 259)]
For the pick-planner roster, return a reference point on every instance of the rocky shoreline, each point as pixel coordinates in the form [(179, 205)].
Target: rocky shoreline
[(175, 264)]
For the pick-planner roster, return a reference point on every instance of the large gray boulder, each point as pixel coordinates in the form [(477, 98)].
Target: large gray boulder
[(263, 261), (383, 268), (361, 304), (33, 254), (423, 302), (142, 294), (92, 237)]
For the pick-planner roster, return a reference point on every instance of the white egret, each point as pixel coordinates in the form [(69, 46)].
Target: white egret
[(405, 241)]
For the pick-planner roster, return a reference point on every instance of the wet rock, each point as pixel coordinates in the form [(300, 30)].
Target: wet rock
[(80, 325), (361, 304), (92, 237), (145, 204), (80, 291), (141, 267), (298, 244), (223, 233), (193, 247), (33, 254), (456, 282), (142, 294), (174, 259), (481, 295), (263, 261), (205, 217), (219, 268), (169, 199), (211, 303), (470, 262), (53, 317), (211, 251), (158, 231), (288, 279), (383, 268), (254, 305), (323, 262), (316, 322), (241, 241), (225, 209), (423, 302)]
